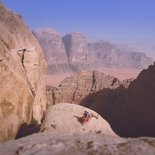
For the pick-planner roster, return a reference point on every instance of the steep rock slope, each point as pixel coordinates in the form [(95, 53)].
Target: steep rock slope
[(130, 111), (50, 40), (75, 88), (138, 106), (76, 47), (22, 73)]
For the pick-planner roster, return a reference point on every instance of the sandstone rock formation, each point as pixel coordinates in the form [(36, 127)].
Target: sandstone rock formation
[(75, 88), (130, 111), (113, 56), (78, 144), (22, 73), (54, 50), (65, 118), (76, 47), (79, 54)]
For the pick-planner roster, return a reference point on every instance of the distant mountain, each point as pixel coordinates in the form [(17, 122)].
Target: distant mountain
[(73, 52)]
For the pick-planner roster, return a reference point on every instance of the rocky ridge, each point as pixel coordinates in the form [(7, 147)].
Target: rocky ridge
[(79, 54), (75, 88), (128, 105), (22, 68), (129, 111)]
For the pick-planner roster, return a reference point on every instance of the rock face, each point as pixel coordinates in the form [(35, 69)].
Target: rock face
[(51, 41), (65, 118), (54, 49), (75, 88), (112, 56), (58, 144), (79, 54), (76, 47), (22, 70), (130, 111)]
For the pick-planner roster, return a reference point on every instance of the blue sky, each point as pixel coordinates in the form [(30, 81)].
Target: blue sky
[(129, 22)]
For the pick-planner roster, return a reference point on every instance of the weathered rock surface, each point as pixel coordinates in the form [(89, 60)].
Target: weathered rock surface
[(130, 111), (22, 70), (78, 144), (65, 118), (75, 88)]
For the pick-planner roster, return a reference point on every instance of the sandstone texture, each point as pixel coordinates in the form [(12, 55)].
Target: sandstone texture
[(66, 118), (78, 144), (22, 74), (75, 88)]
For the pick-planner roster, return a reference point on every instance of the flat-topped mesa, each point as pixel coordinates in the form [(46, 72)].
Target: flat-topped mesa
[(76, 47), (22, 68)]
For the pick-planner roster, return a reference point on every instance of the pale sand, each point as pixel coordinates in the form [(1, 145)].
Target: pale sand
[(121, 74)]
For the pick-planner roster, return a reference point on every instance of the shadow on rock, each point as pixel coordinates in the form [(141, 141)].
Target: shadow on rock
[(107, 103), (25, 130), (130, 111)]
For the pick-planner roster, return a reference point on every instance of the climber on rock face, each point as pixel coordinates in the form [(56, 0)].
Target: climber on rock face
[(85, 118)]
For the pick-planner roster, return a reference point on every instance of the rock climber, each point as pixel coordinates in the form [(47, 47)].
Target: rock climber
[(86, 117)]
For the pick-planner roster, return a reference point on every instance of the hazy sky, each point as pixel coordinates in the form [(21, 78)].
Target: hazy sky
[(129, 22)]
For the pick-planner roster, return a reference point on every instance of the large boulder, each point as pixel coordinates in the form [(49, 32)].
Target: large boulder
[(79, 144), (66, 118), (22, 74)]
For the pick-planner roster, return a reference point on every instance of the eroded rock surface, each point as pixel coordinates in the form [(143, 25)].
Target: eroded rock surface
[(66, 118), (22, 73), (75, 88), (78, 144)]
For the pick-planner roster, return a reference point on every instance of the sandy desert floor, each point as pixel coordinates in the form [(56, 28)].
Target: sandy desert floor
[(121, 74)]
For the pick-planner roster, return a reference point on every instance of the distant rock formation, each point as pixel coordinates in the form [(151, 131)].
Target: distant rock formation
[(65, 118), (75, 88), (76, 47), (22, 73), (51, 41), (113, 56), (58, 144), (131, 111), (79, 54)]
